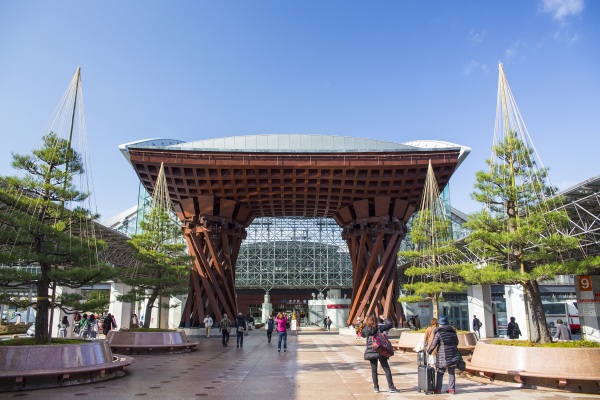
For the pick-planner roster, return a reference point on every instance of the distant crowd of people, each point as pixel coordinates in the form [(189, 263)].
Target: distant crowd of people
[(241, 326), (86, 326)]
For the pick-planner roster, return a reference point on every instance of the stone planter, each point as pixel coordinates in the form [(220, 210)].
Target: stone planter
[(574, 369), (44, 366), (409, 339), (149, 342)]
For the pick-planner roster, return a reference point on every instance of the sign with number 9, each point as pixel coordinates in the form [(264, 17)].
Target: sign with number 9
[(585, 283)]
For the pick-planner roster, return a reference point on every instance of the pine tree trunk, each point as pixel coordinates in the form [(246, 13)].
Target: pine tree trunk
[(42, 305), (538, 317), (435, 304), (149, 306)]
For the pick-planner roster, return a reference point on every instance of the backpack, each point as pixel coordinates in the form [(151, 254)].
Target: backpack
[(382, 345)]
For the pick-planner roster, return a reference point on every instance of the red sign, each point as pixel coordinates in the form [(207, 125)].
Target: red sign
[(338, 305), (585, 283)]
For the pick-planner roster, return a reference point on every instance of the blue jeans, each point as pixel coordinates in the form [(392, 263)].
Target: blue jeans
[(440, 378), (240, 339), (282, 336)]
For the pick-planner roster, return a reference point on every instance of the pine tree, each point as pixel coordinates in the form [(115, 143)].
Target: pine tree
[(164, 263), (432, 271), (520, 234), (432, 274), (38, 230)]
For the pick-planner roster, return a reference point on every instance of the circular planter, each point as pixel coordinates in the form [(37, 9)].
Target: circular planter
[(44, 366), (574, 369), (409, 339), (149, 342)]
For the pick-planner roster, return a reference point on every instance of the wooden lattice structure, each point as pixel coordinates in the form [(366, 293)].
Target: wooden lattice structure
[(217, 194)]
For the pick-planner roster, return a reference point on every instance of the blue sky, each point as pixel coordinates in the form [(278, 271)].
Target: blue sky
[(389, 70)]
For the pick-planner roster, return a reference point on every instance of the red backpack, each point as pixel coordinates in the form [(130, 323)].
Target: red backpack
[(382, 345)]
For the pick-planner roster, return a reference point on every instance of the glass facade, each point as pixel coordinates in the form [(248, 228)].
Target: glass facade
[(294, 252)]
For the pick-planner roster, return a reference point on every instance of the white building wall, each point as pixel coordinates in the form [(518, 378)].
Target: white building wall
[(120, 311), (515, 307), (479, 300)]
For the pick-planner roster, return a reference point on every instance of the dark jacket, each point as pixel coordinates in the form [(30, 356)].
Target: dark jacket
[(513, 331), (270, 324), (369, 331), (446, 341), (241, 321), (108, 324)]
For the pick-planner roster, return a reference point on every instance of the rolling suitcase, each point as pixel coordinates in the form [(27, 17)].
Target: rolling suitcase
[(426, 379)]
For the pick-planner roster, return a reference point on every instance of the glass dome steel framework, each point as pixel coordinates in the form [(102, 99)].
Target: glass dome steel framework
[(294, 253)]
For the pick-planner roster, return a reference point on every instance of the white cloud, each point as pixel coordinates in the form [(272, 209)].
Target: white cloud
[(561, 9), (567, 37), (473, 66), (512, 50), (476, 37)]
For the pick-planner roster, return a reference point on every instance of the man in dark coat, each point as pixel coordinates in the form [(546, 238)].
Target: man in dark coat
[(446, 341), (513, 331), (108, 323), (476, 327), (241, 327)]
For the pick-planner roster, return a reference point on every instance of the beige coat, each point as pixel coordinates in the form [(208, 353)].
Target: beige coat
[(428, 338)]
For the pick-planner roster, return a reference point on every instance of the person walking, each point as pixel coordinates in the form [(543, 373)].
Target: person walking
[(208, 323), (269, 326), (135, 322), (92, 327), (224, 326), (76, 321), (328, 324), (241, 328), (428, 340), (562, 332), (358, 327), (84, 326), (108, 324), (62, 327), (476, 325), (513, 331), (281, 322), (445, 341), (370, 329)]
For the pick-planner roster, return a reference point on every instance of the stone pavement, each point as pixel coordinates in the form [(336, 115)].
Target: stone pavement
[(316, 366)]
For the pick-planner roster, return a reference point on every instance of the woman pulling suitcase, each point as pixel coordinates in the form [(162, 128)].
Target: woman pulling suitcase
[(445, 341)]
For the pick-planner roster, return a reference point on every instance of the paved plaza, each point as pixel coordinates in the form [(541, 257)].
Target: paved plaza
[(316, 366)]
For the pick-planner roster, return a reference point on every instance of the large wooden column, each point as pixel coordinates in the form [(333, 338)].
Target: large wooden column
[(374, 230), (214, 229)]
